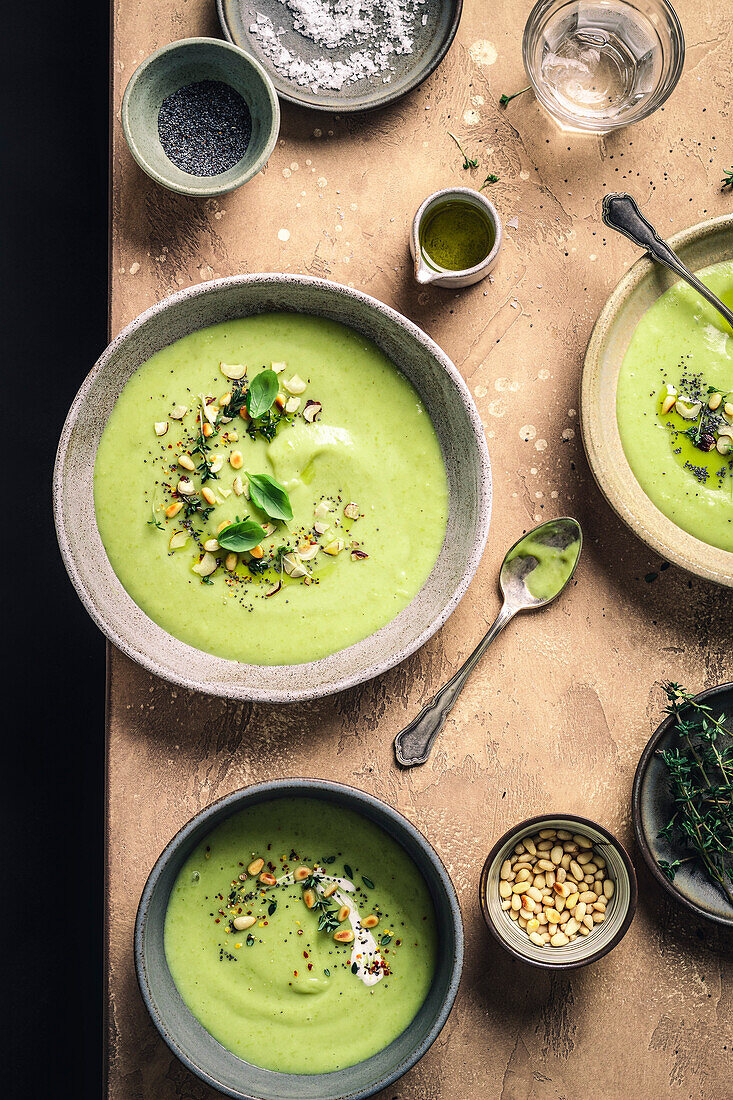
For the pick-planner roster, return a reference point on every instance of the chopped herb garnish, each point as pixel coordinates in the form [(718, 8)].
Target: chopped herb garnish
[(367, 882), (270, 496), (504, 98), (262, 393), (727, 180), (240, 536), (349, 872), (468, 162), (250, 940), (354, 968), (271, 908), (385, 939), (327, 972), (265, 426), (491, 178), (327, 859)]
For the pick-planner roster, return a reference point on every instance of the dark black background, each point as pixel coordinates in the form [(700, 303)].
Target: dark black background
[(54, 125)]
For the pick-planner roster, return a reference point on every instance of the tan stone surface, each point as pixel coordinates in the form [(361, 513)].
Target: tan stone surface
[(558, 712)]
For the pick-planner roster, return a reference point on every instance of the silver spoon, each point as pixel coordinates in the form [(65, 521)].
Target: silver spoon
[(412, 746), (620, 212)]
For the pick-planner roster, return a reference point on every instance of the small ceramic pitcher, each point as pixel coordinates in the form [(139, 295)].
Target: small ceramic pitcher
[(426, 270)]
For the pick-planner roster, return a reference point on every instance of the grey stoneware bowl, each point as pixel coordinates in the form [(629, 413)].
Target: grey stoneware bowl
[(186, 62), (587, 949), (218, 1067), (652, 806), (447, 401)]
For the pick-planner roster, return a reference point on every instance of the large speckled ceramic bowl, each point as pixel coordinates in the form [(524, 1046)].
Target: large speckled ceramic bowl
[(218, 1067), (447, 401), (585, 949), (652, 807), (189, 61), (699, 246)]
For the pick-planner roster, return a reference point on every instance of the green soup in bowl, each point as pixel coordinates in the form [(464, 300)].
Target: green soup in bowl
[(299, 939)]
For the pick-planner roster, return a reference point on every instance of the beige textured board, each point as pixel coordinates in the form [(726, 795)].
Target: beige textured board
[(557, 714)]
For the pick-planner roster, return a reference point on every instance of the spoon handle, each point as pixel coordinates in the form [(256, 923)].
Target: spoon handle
[(412, 746), (620, 212)]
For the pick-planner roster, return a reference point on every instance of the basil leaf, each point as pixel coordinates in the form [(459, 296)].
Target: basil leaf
[(261, 393), (270, 496), (241, 536)]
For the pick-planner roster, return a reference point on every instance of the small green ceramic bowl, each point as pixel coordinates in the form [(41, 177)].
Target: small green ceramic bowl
[(188, 62)]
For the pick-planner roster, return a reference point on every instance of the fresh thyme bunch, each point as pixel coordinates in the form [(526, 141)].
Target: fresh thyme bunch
[(700, 772)]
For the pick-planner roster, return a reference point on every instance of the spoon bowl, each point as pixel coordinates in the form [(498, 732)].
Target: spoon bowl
[(545, 558), (535, 570)]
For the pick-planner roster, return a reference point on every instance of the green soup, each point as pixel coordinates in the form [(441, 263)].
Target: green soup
[(553, 568), (365, 480), (282, 993), (682, 347)]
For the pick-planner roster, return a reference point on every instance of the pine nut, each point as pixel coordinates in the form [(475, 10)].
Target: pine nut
[(714, 401), (570, 847), (537, 939), (582, 841), (561, 874), (563, 834), (173, 509), (539, 881), (534, 893), (559, 939), (608, 888), (506, 905), (533, 925), (579, 911), (240, 923), (598, 917), (505, 890), (546, 845), (516, 903), (547, 834), (513, 914), (301, 873), (529, 844), (255, 867), (590, 869), (550, 878), (208, 495), (571, 927), (556, 854), (267, 879), (552, 930), (576, 869), (371, 921), (525, 915), (545, 865), (588, 895), (572, 900), (519, 847), (344, 935), (553, 916), (506, 869)]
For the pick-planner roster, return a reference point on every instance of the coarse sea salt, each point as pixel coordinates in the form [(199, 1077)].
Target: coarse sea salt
[(368, 33)]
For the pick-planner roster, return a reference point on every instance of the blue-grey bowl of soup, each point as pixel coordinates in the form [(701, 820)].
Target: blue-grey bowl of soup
[(300, 1033)]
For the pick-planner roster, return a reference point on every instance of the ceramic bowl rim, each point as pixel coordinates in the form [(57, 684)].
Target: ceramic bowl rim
[(475, 196), (644, 518), (354, 798), (238, 689), (202, 191), (421, 75), (593, 955), (639, 834)]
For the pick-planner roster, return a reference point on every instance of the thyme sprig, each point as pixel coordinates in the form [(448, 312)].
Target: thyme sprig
[(700, 774), (727, 180), (468, 162), (504, 98)]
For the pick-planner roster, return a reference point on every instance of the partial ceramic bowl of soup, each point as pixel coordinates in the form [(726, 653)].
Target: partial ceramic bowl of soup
[(272, 487), (299, 939), (657, 404)]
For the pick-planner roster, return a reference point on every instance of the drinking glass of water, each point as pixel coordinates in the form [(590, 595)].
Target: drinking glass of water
[(596, 65)]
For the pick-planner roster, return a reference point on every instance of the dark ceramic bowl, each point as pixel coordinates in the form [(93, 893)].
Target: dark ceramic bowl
[(187, 62), (221, 1069), (583, 950), (652, 807)]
